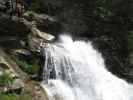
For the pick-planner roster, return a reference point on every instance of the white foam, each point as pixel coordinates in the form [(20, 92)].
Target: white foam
[(83, 75)]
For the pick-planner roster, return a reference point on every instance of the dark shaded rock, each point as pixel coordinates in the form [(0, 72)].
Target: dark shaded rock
[(43, 22), (3, 66), (47, 24), (22, 52), (12, 32), (36, 38), (9, 27)]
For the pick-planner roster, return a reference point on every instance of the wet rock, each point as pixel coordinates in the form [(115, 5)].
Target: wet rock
[(43, 35), (22, 52), (37, 37), (18, 84), (13, 68), (34, 43), (4, 64)]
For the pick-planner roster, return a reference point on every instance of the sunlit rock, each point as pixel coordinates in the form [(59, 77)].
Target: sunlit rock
[(43, 35)]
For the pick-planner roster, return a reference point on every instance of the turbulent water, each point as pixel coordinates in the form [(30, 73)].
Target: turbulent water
[(74, 70)]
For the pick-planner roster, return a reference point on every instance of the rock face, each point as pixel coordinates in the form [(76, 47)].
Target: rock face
[(35, 39), (43, 35), (12, 28), (20, 79), (12, 32), (79, 18), (8, 63)]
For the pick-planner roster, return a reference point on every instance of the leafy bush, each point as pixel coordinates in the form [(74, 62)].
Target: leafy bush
[(25, 97), (8, 97), (28, 68), (13, 96), (30, 13), (5, 79), (104, 8)]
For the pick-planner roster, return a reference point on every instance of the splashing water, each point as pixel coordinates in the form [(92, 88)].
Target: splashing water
[(80, 74)]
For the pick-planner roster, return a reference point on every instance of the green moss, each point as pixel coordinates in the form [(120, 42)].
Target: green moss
[(8, 97), (29, 13), (28, 68), (6, 79), (13, 96), (25, 97)]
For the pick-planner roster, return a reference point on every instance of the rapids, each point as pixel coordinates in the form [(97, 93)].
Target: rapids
[(74, 70)]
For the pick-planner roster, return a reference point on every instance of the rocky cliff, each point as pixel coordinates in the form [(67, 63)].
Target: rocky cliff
[(107, 26)]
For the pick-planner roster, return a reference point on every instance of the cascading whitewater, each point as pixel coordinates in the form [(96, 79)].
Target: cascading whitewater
[(74, 70)]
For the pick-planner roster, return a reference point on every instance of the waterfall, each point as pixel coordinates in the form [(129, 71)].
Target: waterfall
[(74, 70)]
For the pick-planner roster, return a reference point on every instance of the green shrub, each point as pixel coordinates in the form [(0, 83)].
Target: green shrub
[(8, 97), (5, 79), (28, 68), (25, 97), (30, 13), (13, 96)]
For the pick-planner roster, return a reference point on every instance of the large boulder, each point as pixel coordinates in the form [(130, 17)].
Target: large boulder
[(37, 37)]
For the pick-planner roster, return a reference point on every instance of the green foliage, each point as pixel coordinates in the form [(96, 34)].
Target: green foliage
[(103, 12), (25, 97), (104, 8), (6, 79), (28, 68), (13, 96), (8, 97), (30, 13)]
